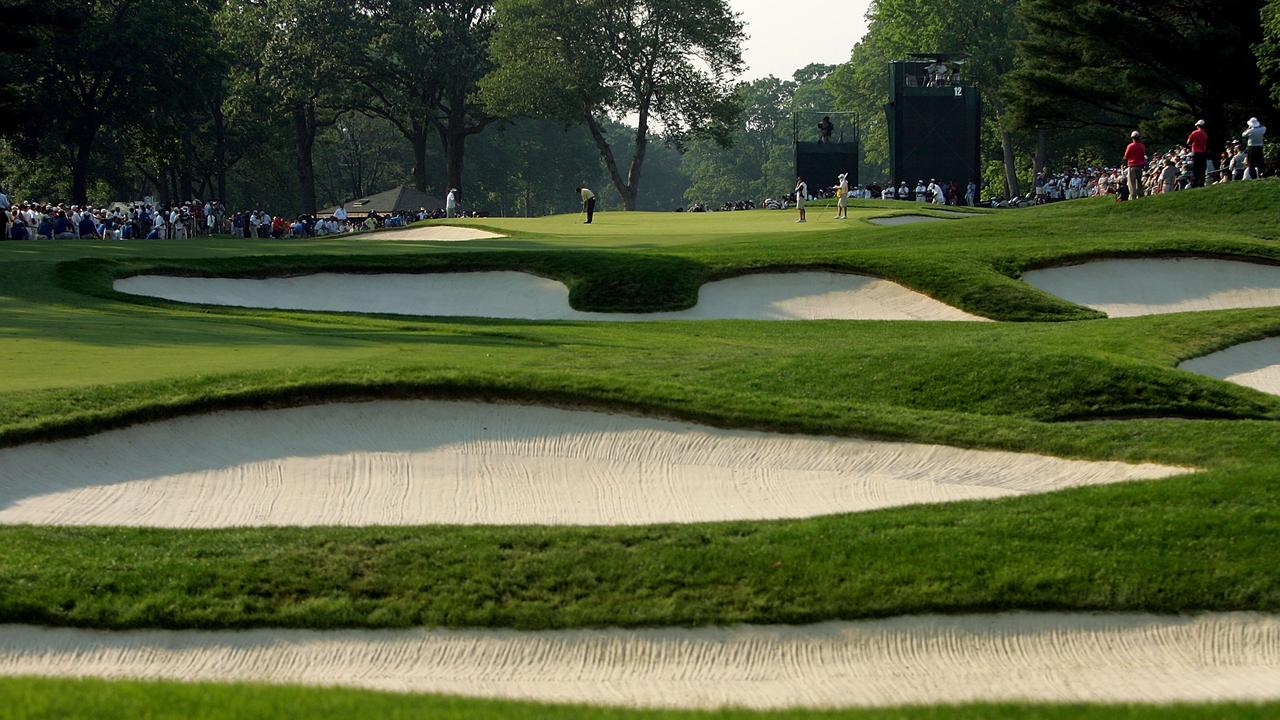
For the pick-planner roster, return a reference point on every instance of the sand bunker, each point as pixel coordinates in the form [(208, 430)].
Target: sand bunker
[(1152, 286), (773, 296), (1254, 364), (438, 233), (904, 220), (426, 462), (916, 660)]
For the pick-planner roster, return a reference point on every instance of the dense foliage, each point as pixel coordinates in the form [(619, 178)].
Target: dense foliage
[(292, 105)]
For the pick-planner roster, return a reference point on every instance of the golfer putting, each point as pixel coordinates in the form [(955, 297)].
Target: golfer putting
[(588, 203)]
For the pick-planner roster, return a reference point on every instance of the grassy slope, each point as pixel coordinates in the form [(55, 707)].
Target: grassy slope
[(75, 357), (27, 699)]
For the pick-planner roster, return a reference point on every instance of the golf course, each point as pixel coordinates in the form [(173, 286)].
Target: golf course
[(1000, 464)]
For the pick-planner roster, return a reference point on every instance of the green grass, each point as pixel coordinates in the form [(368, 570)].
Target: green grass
[(29, 699), (75, 357)]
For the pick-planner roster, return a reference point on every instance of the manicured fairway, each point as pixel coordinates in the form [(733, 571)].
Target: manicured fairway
[(40, 698), (1048, 377)]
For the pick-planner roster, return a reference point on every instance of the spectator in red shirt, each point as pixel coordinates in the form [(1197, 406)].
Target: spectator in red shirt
[(1198, 142), (1135, 156)]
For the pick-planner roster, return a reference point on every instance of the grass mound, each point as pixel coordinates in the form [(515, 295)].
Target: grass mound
[(77, 357)]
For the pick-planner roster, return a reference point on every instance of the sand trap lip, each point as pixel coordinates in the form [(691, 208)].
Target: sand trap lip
[(1252, 364), (907, 219), (1153, 286), (913, 660), (438, 233), (437, 462), (517, 295)]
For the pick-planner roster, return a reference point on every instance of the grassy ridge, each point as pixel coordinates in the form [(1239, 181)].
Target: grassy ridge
[(75, 357), (1204, 542), (28, 699)]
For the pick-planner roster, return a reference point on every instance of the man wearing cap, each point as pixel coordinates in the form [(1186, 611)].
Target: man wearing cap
[(1253, 136), (1135, 158), (842, 197), (1198, 142)]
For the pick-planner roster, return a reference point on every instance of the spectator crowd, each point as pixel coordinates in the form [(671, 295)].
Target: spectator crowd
[(196, 218)]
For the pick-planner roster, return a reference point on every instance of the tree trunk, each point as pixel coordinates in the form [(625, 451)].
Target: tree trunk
[(1042, 151), (170, 192), (637, 160), (454, 146), (220, 150), (80, 169), (419, 140), (186, 182), (1006, 145), (610, 163), (1215, 123), (1010, 163), (304, 130)]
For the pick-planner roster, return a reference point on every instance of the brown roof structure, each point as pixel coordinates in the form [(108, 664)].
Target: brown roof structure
[(403, 198)]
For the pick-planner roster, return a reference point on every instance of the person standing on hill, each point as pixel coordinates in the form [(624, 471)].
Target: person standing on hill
[(588, 202), (842, 197), (1198, 142), (1135, 157), (802, 193), (1253, 136)]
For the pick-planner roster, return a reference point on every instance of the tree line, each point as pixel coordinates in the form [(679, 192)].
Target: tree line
[(300, 103), (187, 97)]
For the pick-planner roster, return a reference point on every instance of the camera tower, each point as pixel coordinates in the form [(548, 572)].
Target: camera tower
[(826, 146), (935, 121)]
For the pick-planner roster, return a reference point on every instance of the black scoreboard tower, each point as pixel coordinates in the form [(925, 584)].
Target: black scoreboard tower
[(935, 121)]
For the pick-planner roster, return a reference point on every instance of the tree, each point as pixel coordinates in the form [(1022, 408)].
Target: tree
[(1268, 50), (463, 58), (663, 62), (28, 29), (522, 167), (760, 161), (285, 62), (1119, 63), (985, 29), (108, 65), (392, 52), (719, 173)]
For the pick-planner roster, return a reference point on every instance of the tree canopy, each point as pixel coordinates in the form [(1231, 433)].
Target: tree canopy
[(295, 104), (1122, 63), (662, 62)]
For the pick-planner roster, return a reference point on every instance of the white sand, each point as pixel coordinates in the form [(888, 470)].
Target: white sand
[(1152, 286), (914, 660), (1253, 364), (427, 462), (438, 233), (905, 220), (772, 296)]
